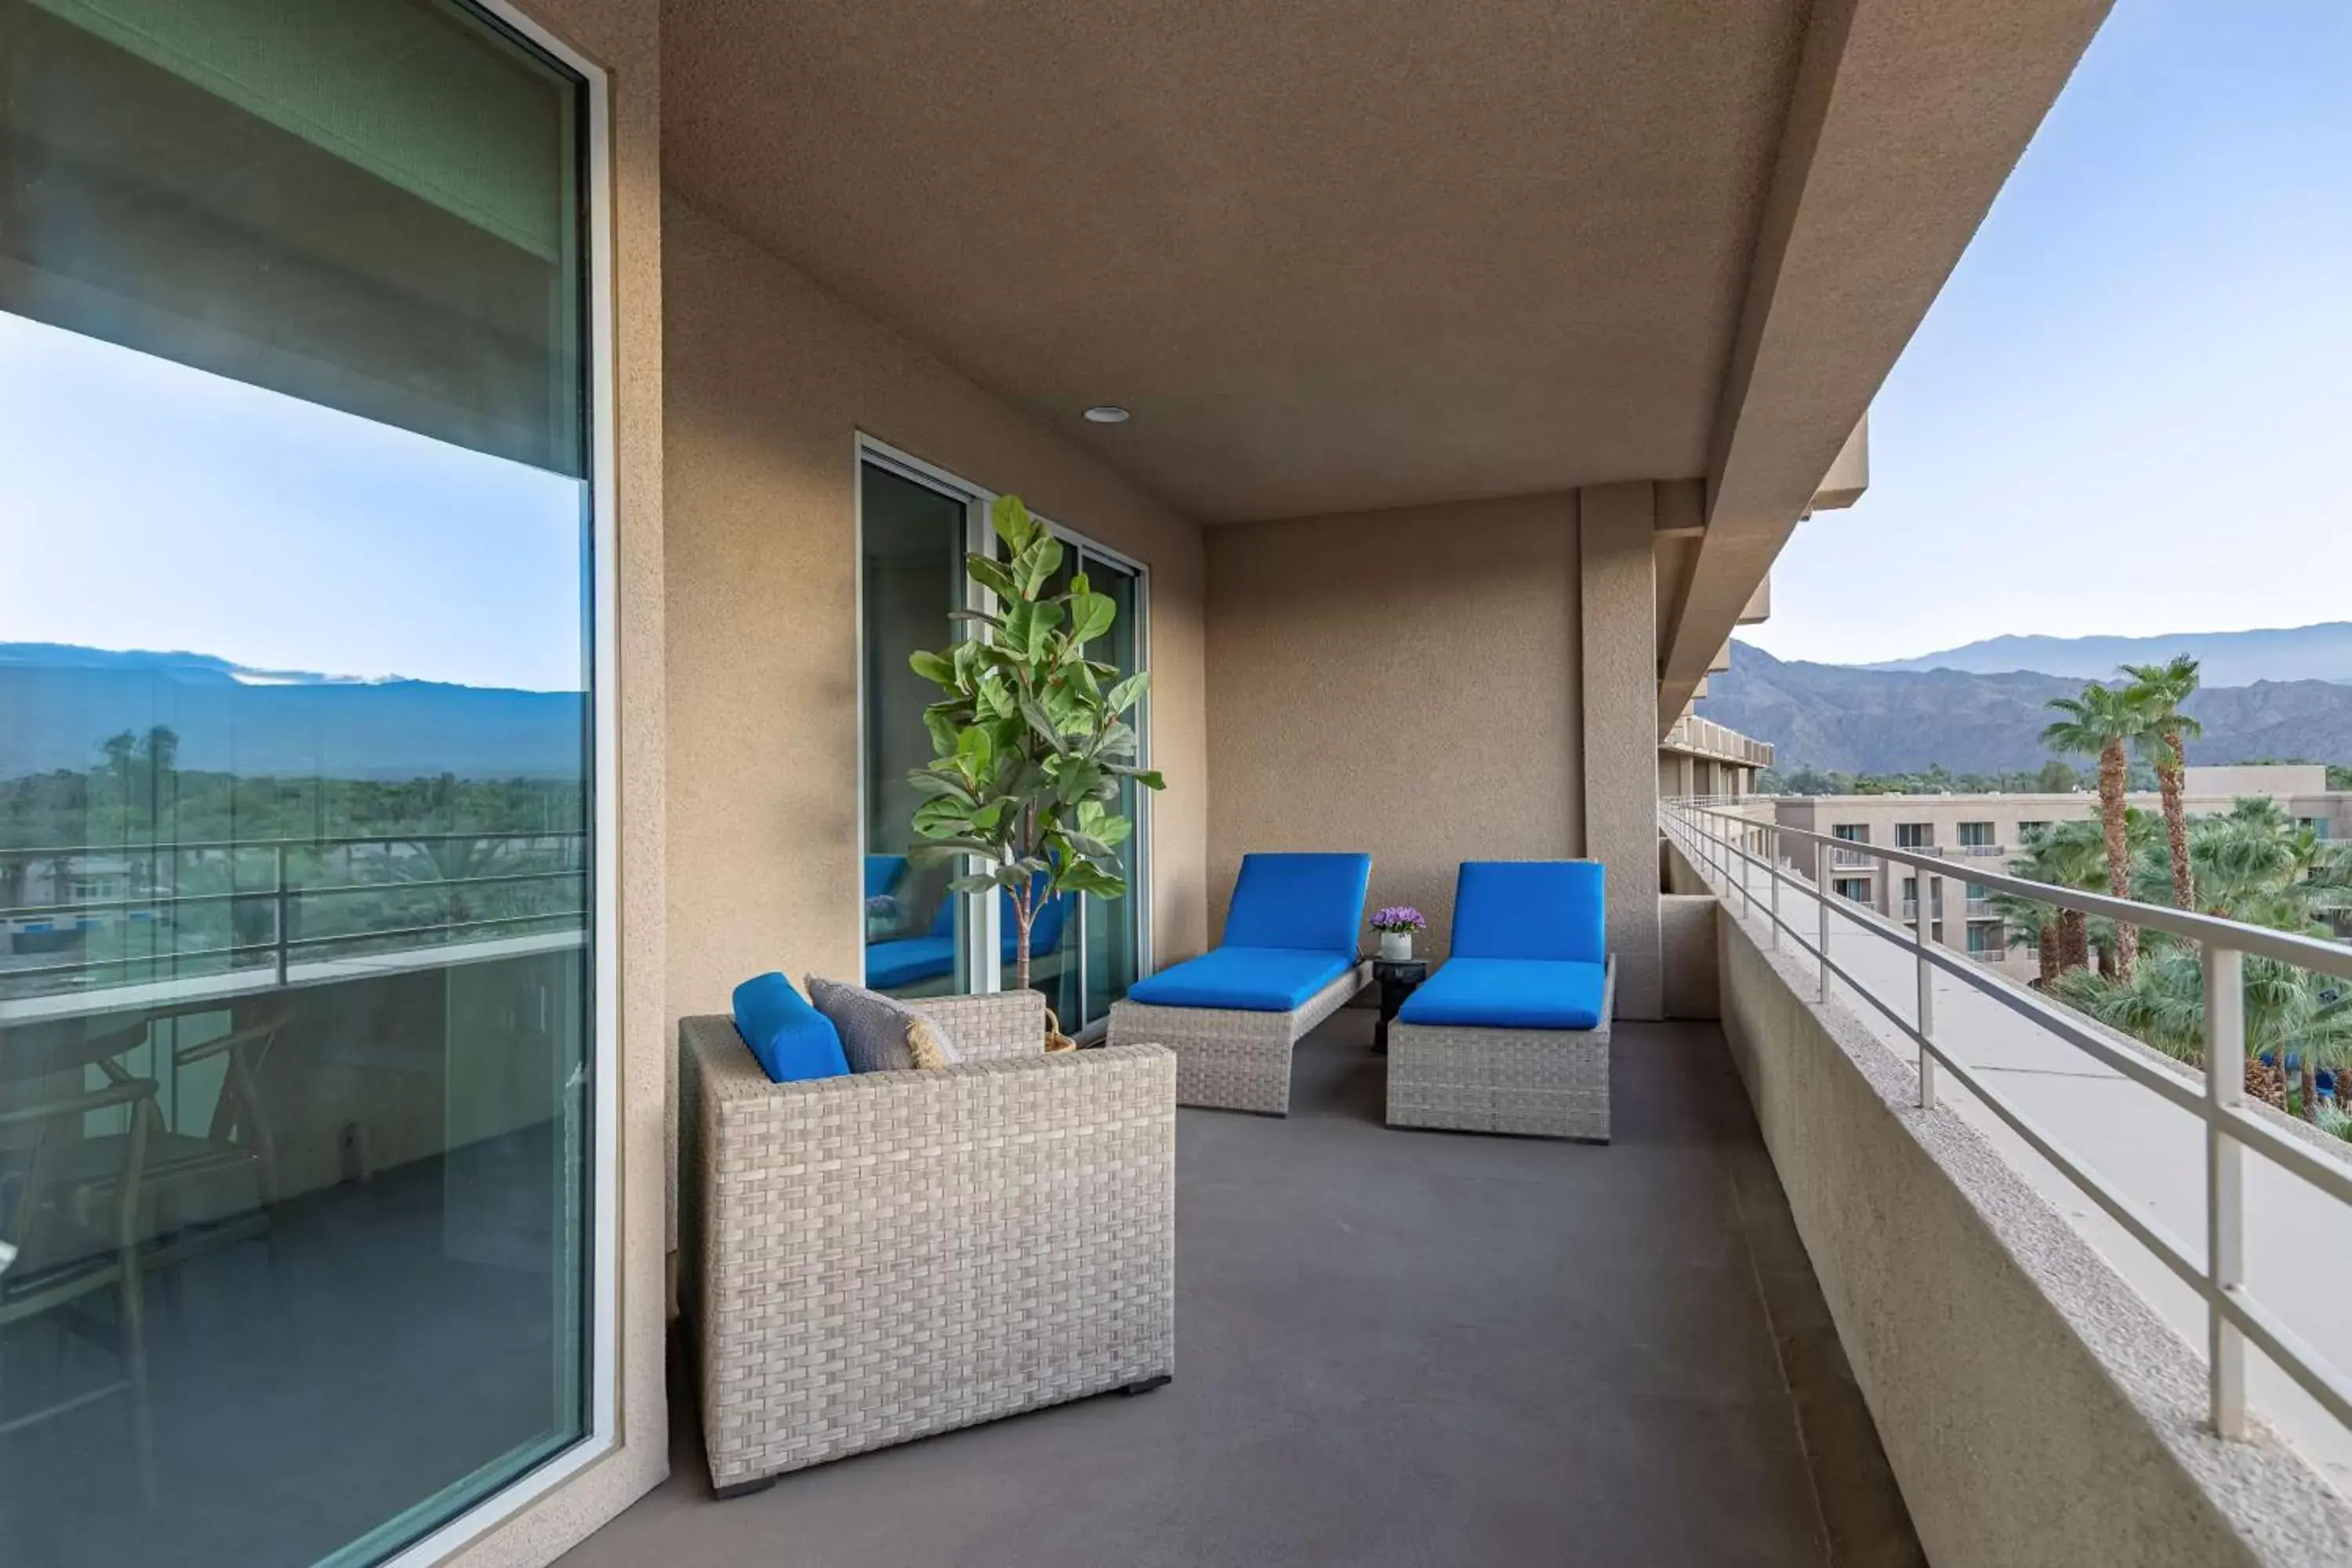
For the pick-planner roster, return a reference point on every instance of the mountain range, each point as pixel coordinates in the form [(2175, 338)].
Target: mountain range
[(2229, 658), (63, 701), (1886, 721)]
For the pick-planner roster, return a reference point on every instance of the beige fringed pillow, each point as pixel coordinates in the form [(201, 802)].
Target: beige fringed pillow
[(881, 1034)]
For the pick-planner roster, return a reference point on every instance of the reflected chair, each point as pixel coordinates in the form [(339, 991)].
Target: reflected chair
[(68, 1246)]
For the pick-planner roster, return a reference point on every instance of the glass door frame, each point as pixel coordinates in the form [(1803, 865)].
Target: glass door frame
[(987, 964), (980, 964), (602, 607)]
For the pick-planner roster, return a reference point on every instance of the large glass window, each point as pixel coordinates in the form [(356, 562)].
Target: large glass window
[(297, 793)]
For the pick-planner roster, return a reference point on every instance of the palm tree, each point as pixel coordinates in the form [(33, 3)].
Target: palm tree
[(2063, 855), (2102, 723), (2252, 863), (2159, 691)]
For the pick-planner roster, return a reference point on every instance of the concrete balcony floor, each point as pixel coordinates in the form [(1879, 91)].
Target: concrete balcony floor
[(1410, 1348)]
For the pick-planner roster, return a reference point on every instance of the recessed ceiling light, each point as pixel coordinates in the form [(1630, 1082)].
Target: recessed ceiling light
[(1107, 414)]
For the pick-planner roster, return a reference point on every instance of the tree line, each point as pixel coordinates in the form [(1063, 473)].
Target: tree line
[(2253, 863)]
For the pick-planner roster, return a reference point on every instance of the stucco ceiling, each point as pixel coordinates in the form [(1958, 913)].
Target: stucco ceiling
[(1334, 254)]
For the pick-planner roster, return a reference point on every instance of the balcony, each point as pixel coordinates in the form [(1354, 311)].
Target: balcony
[(2073, 1139), (1859, 858), (1704, 738), (1409, 1349)]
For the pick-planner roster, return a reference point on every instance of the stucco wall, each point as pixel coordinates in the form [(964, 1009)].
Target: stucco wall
[(2035, 1410), (1401, 682), (770, 381)]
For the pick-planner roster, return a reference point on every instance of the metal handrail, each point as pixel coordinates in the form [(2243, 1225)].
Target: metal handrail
[(2232, 1315), (283, 894)]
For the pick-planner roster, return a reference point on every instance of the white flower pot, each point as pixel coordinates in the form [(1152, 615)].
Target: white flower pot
[(1396, 946)]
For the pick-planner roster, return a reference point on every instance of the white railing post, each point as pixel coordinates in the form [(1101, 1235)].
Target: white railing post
[(2225, 1192), (1920, 934), (1822, 897), (1772, 879)]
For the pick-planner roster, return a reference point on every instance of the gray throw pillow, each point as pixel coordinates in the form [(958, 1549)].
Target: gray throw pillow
[(878, 1033)]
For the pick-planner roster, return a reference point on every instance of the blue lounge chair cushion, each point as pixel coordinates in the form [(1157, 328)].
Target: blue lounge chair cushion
[(790, 1040), (1509, 993), (1314, 902), (908, 960), (1548, 909), (882, 873), (1244, 979)]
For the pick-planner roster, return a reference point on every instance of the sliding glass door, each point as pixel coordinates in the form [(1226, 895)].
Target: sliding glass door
[(913, 531), (300, 857), (915, 526), (1097, 943)]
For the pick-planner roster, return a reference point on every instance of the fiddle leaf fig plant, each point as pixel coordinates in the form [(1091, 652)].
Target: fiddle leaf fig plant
[(1032, 740)]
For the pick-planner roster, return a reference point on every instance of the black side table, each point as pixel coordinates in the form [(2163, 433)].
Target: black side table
[(1398, 978)]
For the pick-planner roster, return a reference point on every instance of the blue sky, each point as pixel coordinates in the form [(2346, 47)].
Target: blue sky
[(2129, 410), (147, 505)]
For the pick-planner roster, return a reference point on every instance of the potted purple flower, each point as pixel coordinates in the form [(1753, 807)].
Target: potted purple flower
[(1397, 924)]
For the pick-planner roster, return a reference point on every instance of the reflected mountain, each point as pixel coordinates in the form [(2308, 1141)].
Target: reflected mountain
[(62, 701)]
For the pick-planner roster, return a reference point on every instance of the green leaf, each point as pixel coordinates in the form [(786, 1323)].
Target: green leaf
[(991, 575), (932, 851), (933, 784), (1041, 721), (1035, 565), (1150, 778), (1091, 616), (940, 719), (1012, 522), (1125, 694), (979, 883), (975, 752), (933, 669)]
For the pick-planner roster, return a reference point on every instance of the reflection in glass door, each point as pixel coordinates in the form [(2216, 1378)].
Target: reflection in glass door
[(912, 533), (299, 853)]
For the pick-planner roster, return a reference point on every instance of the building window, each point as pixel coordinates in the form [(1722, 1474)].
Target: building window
[(1851, 833), (1976, 835), (2026, 830), (1856, 889), (298, 372), (1981, 940), (1915, 834)]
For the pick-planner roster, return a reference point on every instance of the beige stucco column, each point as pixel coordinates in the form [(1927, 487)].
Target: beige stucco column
[(1617, 537)]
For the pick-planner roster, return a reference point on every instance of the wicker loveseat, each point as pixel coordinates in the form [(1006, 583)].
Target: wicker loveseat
[(1511, 1032), (877, 1257)]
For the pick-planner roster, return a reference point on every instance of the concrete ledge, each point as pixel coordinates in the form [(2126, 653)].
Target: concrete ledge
[(2034, 1408), (1686, 938)]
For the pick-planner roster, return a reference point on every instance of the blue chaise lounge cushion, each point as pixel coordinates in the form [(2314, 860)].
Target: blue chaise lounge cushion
[(1549, 909), (1508, 994), (790, 1039), (1310, 901), (1244, 979)]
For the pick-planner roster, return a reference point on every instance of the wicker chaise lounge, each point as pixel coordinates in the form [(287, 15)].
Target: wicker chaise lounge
[(880, 1257), (1511, 1032), (1288, 961)]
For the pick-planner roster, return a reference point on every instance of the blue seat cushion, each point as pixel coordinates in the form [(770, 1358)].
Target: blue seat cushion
[(906, 960), (790, 1040), (1530, 909), (1244, 979), (1310, 901), (882, 873), (1509, 993)]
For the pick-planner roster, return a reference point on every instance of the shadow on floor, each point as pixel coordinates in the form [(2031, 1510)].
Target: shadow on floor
[(1408, 1347)]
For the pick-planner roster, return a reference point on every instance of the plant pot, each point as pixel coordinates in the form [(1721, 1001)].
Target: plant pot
[(1396, 946)]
